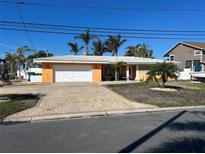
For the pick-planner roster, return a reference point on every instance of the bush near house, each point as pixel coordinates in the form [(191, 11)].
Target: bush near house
[(4, 73), (163, 71)]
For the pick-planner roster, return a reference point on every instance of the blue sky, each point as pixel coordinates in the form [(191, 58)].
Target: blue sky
[(57, 44)]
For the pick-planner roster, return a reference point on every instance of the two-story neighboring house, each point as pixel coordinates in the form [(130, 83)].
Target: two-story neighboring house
[(192, 58)]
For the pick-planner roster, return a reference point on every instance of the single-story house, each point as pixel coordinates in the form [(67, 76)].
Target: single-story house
[(94, 68)]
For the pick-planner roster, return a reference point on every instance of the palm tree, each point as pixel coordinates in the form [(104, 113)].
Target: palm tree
[(164, 71), (74, 48), (98, 47), (20, 57), (86, 38), (140, 50), (130, 51), (113, 43), (38, 54)]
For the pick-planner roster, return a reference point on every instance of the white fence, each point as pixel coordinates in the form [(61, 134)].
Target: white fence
[(198, 74), (35, 78), (185, 74)]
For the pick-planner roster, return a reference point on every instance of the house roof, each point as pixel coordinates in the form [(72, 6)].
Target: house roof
[(196, 45), (97, 59)]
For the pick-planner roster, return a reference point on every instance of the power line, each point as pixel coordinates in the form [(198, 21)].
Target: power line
[(106, 8), (24, 25), (105, 28), (98, 31), (131, 37)]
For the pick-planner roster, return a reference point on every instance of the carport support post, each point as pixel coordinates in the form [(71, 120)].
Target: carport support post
[(127, 72), (137, 72), (116, 78)]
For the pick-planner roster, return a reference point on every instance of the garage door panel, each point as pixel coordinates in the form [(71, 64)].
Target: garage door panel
[(72, 73)]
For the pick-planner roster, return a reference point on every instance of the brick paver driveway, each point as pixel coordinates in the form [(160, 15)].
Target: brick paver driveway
[(69, 98)]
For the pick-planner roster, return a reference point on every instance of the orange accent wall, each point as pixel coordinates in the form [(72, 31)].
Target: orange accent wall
[(143, 69), (142, 76), (47, 73), (97, 72), (123, 70)]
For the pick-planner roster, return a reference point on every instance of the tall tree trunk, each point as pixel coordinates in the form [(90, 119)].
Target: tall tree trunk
[(86, 50), (116, 74), (163, 80), (19, 71)]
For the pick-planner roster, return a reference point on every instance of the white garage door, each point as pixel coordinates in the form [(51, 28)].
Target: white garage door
[(72, 73)]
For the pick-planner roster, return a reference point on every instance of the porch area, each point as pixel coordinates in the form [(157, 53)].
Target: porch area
[(123, 72)]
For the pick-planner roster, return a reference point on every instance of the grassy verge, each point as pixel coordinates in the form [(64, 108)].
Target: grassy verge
[(17, 103), (141, 93)]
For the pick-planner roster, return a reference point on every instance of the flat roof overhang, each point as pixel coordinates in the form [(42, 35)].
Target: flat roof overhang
[(90, 62)]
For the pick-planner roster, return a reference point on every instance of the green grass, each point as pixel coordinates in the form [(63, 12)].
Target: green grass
[(141, 93), (199, 85), (139, 84), (17, 103)]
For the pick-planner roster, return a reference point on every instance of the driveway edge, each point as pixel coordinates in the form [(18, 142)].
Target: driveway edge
[(105, 113)]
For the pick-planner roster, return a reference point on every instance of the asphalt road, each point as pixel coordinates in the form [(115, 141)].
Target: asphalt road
[(181, 131)]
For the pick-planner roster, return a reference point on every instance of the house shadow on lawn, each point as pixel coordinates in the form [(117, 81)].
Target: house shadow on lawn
[(177, 145)]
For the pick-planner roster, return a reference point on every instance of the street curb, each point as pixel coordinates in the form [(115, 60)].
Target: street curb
[(156, 110), (98, 114)]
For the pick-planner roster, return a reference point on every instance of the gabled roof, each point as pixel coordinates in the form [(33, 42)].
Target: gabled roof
[(97, 59), (196, 45)]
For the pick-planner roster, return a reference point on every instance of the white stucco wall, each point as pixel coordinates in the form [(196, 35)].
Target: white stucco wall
[(35, 78)]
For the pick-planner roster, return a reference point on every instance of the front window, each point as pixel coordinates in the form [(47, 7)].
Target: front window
[(197, 65), (188, 64), (171, 58), (197, 52)]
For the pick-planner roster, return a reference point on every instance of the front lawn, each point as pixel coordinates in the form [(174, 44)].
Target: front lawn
[(184, 96), (16, 103)]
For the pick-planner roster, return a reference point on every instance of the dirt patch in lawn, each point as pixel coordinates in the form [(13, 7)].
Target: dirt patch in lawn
[(12, 103), (141, 92)]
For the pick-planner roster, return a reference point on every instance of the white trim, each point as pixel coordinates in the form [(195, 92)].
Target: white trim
[(197, 51), (127, 73), (82, 62), (74, 62)]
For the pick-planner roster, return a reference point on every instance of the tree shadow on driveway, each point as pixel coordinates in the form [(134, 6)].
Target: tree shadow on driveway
[(146, 137), (179, 144), (188, 126)]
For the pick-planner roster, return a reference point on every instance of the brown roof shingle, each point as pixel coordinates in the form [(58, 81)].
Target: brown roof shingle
[(196, 44)]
